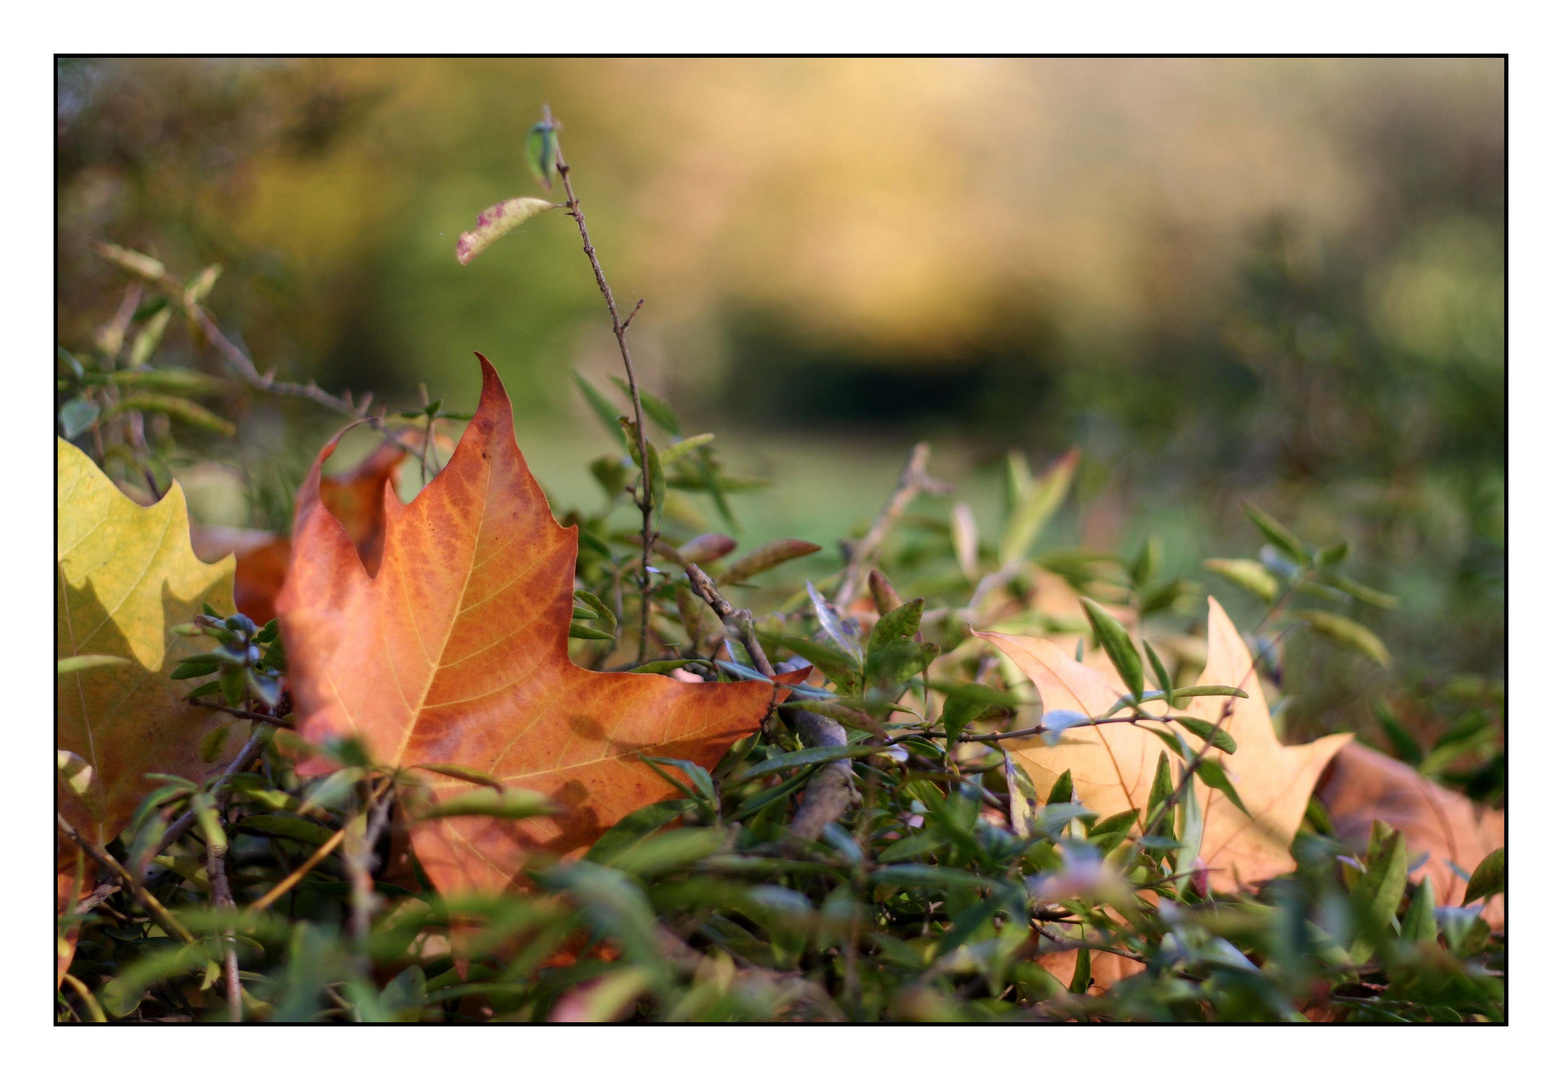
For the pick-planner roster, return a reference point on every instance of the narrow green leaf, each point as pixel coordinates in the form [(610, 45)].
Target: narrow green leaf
[(1278, 535), (175, 408), (1062, 788), (682, 447), (1213, 773), (658, 486), (1420, 923), (1489, 878), (462, 772), (655, 408), (1081, 980), (1035, 507), (542, 152), (72, 665), (510, 803), (1248, 575), (1377, 894), (600, 405), (1162, 679), (813, 755), (1348, 633), (1218, 737), (1119, 647)]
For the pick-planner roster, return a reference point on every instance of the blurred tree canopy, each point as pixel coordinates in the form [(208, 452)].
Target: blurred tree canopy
[(1281, 279)]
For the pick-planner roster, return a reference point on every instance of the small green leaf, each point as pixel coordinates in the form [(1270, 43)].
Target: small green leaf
[(1420, 922), (1348, 633), (1038, 501), (654, 407), (635, 826), (510, 803), (1218, 737), (1489, 878), (462, 772), (658, 485), (901, 624), (72, 665), (1278, 535), (286, 827), (1119, 647), (542, 152), (1248, 575), (1161, 789), (1162, 679), (1358, 591), (1377, 894), (589, 633), (211, 746), (813, 755), (77, 415), (1081, 980), (600, 405), (1062, 788), (1213, 773), (685, 446), (175, 408)]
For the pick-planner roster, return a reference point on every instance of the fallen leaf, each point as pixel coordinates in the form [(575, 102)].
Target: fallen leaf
[(356, 500), (1362, 785), (125, 576), (456, 652), (1113, 765)]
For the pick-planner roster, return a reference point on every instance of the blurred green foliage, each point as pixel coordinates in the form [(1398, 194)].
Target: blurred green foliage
[(1273, 280)]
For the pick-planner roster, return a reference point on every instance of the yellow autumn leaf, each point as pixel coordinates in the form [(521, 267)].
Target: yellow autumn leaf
[(1113, 765), (125, 576)]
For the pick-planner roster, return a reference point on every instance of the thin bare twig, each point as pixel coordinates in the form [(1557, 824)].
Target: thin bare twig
[(244, 714), (153, 907), (913, 481), (620, 329), (238, 360), (222, 899)]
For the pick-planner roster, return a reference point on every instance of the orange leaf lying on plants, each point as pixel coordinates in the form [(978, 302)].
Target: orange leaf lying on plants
[(456, 652), (1113, 765)]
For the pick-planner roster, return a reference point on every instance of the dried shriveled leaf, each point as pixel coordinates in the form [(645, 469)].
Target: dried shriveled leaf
[(125, 576), (1113, 765), (1363, 786), (495, 222), (456, 651)]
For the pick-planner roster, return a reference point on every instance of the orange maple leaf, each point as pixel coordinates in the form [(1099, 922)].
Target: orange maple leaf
[(455, 652)]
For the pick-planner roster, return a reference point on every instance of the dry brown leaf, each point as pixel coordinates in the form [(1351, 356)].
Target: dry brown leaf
[(1113, 765), (456, 652), (1362, 786)]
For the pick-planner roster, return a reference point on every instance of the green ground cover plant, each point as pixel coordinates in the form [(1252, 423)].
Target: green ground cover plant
[(470, 757)]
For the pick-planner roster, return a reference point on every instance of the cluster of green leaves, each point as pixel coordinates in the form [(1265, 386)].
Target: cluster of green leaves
[(949, 891)]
